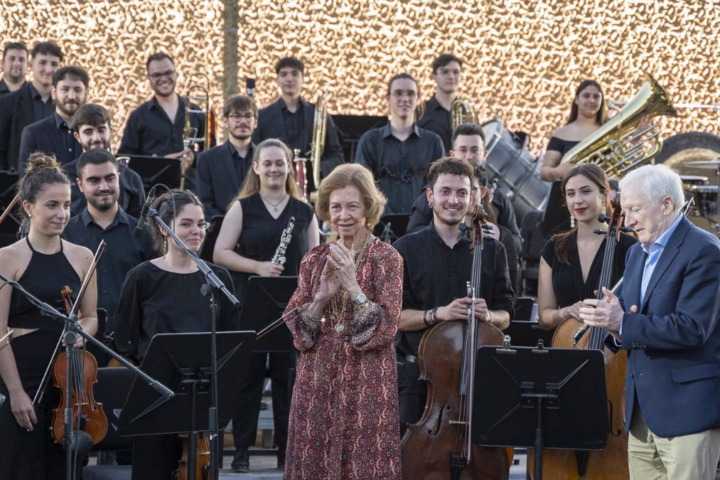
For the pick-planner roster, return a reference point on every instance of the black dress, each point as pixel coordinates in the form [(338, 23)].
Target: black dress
[(567, 281), (259, 239), (34, 455), (155, 301), (560, 145)]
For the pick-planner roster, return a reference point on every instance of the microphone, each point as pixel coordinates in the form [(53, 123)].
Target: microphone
[(144, 213), (250, 87)]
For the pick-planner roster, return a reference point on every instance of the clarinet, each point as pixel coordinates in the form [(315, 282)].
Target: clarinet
[(279, 257)]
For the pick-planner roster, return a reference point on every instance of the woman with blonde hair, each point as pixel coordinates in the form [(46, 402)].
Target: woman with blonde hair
[(268, 203), (344, 415)]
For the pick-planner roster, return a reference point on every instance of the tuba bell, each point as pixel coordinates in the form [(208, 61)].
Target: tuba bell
[(620, 145), (462, 111)]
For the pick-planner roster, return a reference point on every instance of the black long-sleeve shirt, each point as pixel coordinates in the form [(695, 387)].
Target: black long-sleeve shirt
[(434, 275), (437, 119), (399, 167)]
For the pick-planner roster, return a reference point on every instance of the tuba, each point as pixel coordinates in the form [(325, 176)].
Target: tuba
[(620, 146), (317, 146), (462, 111)]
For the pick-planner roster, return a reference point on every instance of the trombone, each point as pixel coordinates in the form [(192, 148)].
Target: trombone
[(200, 93)]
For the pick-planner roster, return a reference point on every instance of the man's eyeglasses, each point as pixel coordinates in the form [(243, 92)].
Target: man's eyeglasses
[(159, 75)]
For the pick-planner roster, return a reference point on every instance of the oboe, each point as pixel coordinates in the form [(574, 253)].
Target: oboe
[(279, 257)]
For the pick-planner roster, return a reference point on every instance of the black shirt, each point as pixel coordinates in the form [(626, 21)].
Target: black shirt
[(434, 275), (4, 90), (70, 144), (154, 301), (399, 167), (41, 109), (132, 192), (242, 164), (293, 122), (560, 145), (123, 253), (149, 130), (437, 119)]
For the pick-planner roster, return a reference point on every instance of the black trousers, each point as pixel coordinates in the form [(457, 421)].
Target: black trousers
[(29, 455), (247, 407), (412, 393)]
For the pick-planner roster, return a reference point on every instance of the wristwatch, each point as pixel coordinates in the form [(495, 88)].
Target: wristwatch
[(360, 300)]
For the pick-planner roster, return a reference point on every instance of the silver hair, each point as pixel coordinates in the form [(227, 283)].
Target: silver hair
[(657, 182)]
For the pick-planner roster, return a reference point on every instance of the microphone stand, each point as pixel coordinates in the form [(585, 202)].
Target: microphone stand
[(214, 285), (70, 333)]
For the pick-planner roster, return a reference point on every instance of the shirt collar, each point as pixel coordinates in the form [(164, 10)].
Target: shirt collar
[(3, 86), (59, 122), (386, 132), (433, 104), (155, 104), (436, 236), (34, 93), (120, 217), (284, 107), (663, 239), (234, 153)]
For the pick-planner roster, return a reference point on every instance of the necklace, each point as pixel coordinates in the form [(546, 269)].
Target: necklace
[(337, 313), (274, 205)]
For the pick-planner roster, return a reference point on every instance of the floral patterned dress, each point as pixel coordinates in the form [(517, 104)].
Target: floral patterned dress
[(344, 421)]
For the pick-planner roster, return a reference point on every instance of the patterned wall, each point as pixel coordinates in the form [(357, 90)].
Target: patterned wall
[(524, 57)]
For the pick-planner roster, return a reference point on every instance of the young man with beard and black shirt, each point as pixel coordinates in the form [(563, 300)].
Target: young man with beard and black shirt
[(30, 103), (221, 170), (437, 267), (156, 128), (103, 219), (55, 135), (14, 66), (468, 142), (93, 131), (290, 119), (447, 74), (400, 153)]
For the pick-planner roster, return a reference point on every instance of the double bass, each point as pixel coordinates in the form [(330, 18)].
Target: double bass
[(440, 445), (611, 463)]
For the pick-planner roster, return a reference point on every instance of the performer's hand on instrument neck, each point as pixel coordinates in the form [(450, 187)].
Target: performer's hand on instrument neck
[(493, 232), (269, 269), (22, 408), (179, 155), (458, 310), (606, 313)]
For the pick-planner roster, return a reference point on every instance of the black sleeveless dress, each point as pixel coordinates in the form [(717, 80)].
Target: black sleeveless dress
[(34, 455)]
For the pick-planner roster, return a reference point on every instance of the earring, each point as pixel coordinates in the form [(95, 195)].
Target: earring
[(430, 204), (572, 221), (29, 215), (165, 246)]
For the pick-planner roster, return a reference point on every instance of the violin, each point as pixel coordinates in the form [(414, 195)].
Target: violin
[(87, 414), (440, 446), (202, 454), (611, 463)]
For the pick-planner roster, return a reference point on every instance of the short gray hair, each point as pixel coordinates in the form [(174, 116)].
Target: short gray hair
[(657, 182)]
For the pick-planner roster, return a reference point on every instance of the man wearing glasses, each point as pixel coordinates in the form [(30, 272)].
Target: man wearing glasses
[(156, 127), (221, 170), (400, 153)]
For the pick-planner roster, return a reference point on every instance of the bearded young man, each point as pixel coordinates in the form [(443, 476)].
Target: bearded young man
[(103, 219)]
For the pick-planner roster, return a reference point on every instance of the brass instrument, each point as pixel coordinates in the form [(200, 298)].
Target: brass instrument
[(198, 93), (462, 111), (317, 146), (620, 145)]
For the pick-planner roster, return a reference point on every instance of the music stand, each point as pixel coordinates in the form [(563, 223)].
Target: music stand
[(155, 170), (208, 246), (391, 227), (556, 218), (265, 300), (540, 398), (184, 361)]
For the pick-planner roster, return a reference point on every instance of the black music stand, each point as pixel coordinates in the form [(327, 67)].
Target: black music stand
[(208, 246), (540, 398), (184, 361), (265, 301), (391, 227), (155, 170)]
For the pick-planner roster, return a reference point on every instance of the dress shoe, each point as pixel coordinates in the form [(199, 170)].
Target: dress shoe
[(241, 462)]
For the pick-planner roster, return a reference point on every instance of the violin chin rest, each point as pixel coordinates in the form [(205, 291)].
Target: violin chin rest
[(81, 442)]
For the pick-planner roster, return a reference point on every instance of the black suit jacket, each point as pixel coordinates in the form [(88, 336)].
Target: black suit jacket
[(217, 179), (16, 113), (44, 136), (271, 125)]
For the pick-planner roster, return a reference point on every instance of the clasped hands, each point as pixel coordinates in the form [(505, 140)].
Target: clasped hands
[(606, 313), (339, 271)]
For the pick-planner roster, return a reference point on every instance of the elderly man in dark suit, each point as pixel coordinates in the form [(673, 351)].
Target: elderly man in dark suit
[(29, 104), (55, 134), (221, 170), (290, 119), (666, 317)]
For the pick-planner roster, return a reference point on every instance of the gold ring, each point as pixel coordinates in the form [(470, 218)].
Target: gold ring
[(340, 262), (335, 267)]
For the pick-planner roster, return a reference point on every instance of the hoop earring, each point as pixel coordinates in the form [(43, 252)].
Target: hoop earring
[(572, 221)]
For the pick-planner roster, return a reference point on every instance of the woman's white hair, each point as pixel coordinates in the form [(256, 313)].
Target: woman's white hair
[(657, 182)]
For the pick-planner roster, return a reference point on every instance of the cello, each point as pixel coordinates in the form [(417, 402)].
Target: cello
[(440, 445), (611, 463)]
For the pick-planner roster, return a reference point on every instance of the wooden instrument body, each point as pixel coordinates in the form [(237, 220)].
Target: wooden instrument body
[(611, 463), (427, 445), (202, 465), (90, 415)]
